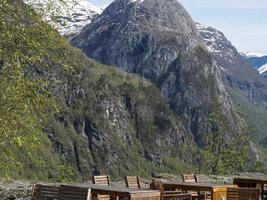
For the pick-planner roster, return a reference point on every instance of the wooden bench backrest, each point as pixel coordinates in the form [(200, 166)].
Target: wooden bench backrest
[(243, 194), (244, 184), (132, 182), (102, 180), (192, 178), (232, 193), (71, 193), (45, 192)]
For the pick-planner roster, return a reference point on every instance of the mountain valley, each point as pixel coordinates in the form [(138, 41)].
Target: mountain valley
[(137, 86)]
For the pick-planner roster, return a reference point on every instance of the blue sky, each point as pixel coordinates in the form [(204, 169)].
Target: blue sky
[(244, 22)]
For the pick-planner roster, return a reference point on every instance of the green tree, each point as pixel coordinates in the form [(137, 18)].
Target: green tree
[(66, 174), (25, 98), (228, 151)]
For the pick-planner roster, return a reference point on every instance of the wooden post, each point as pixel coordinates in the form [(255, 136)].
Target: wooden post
[(262, 191), (33, 190), (212, 194), (89, 194)]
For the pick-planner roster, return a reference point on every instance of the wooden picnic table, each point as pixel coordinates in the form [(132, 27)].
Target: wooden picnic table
[(251, 182), (218, 192), (121, 193)]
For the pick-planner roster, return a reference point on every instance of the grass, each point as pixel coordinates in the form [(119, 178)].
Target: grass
[(256, 117), (116, 76)]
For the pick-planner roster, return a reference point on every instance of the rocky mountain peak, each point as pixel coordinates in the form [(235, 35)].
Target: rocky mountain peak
[(214, 39), (139, 24), (68, 17), (158, 40), (165, 15), (237, 72)]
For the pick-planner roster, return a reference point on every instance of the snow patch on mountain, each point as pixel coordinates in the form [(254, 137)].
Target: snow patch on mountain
[(138, 1), (68, 17), (214, 39), (218, 45), (252, 54), (263, 69), (258, 61)]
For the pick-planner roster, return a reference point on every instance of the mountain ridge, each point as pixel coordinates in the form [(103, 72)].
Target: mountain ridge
[(108, 119), (214, 40), (68, 17), (247, 87), (119, 122), (259, 62), (252, 54), (167, 50)]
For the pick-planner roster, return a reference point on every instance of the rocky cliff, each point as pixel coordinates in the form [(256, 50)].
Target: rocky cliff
[(158, 40), (117, 122), (247, 87), (236, 70), (259, 62), (109, 120), (69, 16)]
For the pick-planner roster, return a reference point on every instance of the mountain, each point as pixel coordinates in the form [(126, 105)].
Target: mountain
[(246, 86), (236, 70), (108, 120), (69, 17), (258, 61), (263, 70), (103, 7), (252, 54), (158, 40)]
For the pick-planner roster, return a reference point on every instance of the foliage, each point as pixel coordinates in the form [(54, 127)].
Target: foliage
[(175, 165), (38, 64), (32, 56), (254, 114), (228, 153), (25, 98), (67, 173)]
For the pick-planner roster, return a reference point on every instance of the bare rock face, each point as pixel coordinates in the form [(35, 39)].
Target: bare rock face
[(246, 85), (158, 40), (71, 16), (236, 70), (259, 62), (110, 121)]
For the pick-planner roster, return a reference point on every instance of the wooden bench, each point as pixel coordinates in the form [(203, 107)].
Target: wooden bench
[(243, 194), (45, 192), (102, 180), (156, 184), (74, 193), (249, 182), (132, 182), (192, 178)]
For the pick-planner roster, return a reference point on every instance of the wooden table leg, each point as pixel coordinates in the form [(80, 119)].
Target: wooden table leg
[(212, 194), (89, 196)]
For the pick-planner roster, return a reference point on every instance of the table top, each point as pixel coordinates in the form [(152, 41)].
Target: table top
[(111, 190), (194, 186), (250, 180)]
